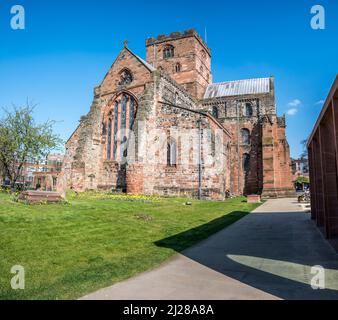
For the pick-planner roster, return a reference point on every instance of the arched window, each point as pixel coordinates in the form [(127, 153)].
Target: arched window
[(245, 136), (246, 163), (177, 67), (171, 152), (123, 123), (248, 110), (131, 113), (201, 69), (215, 112), (116, 114), (213, 144), (203, 54), (168, 52), (125, 77), (122, 108), (109, 139)]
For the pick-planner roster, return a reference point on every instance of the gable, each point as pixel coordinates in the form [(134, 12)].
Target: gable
[(126, 63)]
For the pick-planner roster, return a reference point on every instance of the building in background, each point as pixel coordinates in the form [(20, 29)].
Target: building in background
[(172, 91), (47, 174), (300, 173), (44, 174), (323, 164)]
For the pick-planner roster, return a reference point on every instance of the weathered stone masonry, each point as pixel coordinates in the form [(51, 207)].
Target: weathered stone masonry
[(135, 140)]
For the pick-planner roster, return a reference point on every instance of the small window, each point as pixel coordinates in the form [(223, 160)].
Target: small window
[(201, 69), (171, 152), (125, 77), (245, 136), (203, 54), (246, 163), (177, 67), (248, 110), (168, 52), (215, 112), (225, 109)]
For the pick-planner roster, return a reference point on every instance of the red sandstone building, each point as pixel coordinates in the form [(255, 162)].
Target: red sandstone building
[(323, 162), (161, 126)]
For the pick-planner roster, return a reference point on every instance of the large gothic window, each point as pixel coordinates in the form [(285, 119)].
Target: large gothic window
[(171, 152), (168, 52), (119, 120), (245, 136), (123, 126), (248, 110), (131, 113), (116, 114), (109, 139), (246, 163)]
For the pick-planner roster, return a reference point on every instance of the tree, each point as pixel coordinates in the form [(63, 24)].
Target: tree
[(22, 140)]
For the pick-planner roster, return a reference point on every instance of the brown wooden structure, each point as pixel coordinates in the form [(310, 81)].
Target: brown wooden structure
[(323, 162)]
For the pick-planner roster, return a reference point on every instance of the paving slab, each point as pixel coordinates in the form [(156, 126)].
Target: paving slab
[(267, 255)]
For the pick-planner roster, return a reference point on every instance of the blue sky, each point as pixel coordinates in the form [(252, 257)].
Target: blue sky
[(68, 46)]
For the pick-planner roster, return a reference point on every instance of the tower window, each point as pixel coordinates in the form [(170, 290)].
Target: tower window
[(245, 136), (203, 54), (171, 152), (168, 52), (248, 110), (215, 112), (177, 67)]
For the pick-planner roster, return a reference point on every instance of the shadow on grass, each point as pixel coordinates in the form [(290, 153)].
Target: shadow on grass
[(186, 239), (268, 238)]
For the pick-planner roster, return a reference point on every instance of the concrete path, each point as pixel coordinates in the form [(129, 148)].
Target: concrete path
[(266, 255)]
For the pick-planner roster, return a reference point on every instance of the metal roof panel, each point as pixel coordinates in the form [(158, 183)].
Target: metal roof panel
[(238, 87)]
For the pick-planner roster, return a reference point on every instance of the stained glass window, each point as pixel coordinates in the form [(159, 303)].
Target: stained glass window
[(116, 114), (131, 113), (123, 125), (109, 139)]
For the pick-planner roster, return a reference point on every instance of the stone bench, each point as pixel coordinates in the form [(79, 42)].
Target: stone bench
[(253, 198), (32, 197)]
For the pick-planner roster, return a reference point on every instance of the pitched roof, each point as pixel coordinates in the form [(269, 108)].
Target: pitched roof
[(238, 87), (146, 64)]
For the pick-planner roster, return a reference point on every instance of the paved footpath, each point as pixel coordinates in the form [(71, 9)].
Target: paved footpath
[(268, 254)]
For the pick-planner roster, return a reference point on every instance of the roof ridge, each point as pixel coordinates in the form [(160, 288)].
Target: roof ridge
[(145, 63), (240, 80)]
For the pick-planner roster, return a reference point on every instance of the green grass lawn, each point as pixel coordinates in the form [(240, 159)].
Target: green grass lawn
[(69, 250)]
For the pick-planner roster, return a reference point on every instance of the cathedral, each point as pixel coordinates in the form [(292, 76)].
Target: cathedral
[(160, 126)]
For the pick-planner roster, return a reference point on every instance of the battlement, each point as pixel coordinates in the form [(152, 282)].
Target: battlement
[(175, 36)]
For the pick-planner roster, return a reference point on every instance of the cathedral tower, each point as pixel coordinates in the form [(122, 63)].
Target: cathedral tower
[(185, 57)]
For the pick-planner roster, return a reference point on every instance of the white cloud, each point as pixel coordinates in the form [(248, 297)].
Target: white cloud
[(294, 103), (320, 102), (292, 112)]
